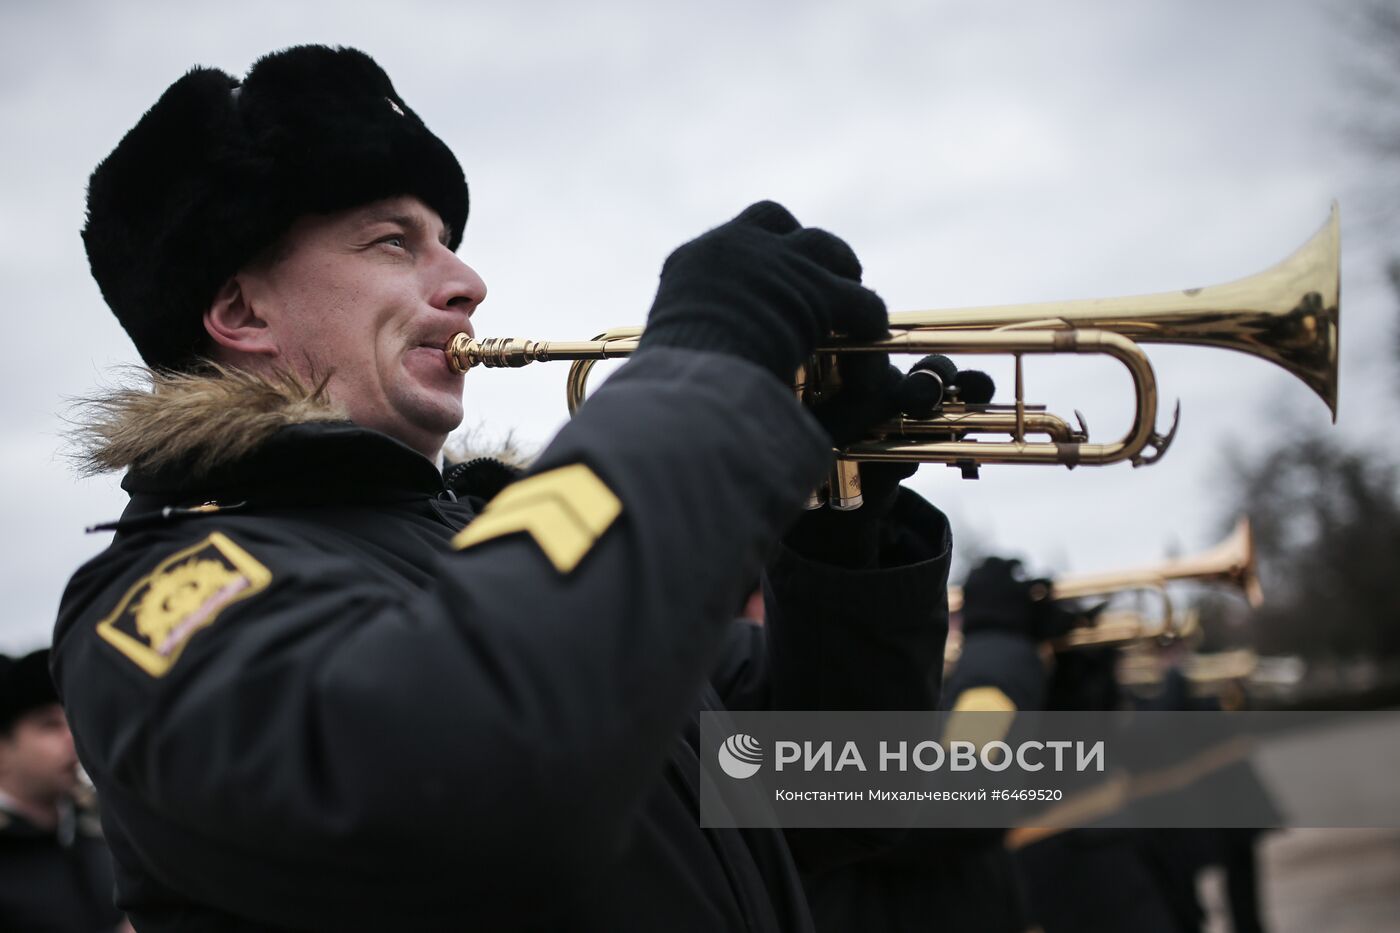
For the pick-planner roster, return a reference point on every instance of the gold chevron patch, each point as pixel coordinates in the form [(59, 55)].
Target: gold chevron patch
[(980, 715), (984, 700), (565, 510), (185, 593)]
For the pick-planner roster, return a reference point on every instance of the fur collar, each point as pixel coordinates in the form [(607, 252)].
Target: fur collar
[(196, 422)]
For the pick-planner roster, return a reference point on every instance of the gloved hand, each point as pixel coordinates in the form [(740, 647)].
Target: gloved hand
[(766, 289), (852, 539), (997, 597), (935, 379)]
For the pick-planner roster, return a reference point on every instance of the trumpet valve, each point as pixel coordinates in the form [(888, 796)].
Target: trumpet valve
[(843, 489)]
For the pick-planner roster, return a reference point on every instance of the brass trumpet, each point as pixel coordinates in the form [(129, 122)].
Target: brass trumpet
[(1287, 315), (1231, 563), (1203, 671), (1228, 677)]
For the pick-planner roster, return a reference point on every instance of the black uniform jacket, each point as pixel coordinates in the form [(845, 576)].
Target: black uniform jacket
[(308, 710), (949, 880), (55, 881)]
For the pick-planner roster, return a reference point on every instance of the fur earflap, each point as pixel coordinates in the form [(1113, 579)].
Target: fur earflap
[(216, 171)]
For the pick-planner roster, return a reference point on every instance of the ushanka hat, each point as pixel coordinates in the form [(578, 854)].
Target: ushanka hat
[(218, 170), (24, 685)]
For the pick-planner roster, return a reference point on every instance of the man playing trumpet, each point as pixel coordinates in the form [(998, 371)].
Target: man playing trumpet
[(320, 682)]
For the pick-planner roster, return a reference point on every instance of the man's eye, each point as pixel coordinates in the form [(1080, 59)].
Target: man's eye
[(398, 240)]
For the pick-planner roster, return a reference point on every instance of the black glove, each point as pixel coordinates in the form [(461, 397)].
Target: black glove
[(996, 597), (935, 379), (853, 539), (766, 289)]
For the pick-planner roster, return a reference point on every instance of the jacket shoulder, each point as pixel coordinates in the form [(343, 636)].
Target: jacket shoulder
[(153, 590)]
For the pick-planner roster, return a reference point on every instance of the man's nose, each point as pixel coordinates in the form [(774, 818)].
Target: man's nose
[(461, 289)]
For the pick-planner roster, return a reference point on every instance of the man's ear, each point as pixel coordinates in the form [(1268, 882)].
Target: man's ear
[(233, 323)]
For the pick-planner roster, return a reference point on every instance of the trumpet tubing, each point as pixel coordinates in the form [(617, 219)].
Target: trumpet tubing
[(1120, 628), (1204, 672)]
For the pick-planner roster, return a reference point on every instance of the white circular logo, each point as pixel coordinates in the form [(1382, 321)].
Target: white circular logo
[(741, 756)]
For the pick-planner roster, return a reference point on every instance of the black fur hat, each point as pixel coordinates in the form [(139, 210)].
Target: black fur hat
[(216, 171), (24, 685)]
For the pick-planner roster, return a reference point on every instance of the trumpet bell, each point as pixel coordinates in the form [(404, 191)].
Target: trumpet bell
[(1289, 314), (1231, 562)]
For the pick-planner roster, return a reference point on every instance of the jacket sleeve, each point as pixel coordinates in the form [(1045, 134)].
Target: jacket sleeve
[(842, 639), (508, 715)]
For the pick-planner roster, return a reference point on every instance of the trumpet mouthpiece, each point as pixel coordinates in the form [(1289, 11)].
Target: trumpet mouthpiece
[(464, 352)]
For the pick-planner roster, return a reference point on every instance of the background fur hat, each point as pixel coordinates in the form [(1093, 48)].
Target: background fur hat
[(24, 685), (216, 171)]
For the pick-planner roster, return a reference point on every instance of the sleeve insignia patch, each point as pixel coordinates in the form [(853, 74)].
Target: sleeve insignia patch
[(565, 511), (984, 700), (980, 715), (185, 593)]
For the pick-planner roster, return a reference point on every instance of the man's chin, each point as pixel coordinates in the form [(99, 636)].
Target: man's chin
[(443, 420), (438, 416), (65, 785)]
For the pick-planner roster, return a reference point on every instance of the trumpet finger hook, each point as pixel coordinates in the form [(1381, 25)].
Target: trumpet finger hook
[(1158, 442)]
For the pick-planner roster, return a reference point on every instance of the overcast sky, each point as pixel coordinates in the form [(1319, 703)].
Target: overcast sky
[(971, 153)]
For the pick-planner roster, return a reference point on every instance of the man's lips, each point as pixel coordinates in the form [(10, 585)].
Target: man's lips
[(435, 349), (438, 342)]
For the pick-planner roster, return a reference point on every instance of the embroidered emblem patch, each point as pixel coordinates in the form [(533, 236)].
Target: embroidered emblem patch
[(565, 510), (185, 593)]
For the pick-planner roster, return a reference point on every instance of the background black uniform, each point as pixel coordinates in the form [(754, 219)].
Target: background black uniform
[(55, 881)]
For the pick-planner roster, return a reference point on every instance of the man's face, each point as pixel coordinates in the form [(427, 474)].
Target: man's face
[(371, 296), (37, 760)]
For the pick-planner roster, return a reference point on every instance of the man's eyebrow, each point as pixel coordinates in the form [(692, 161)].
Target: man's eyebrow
[(411, 222)]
